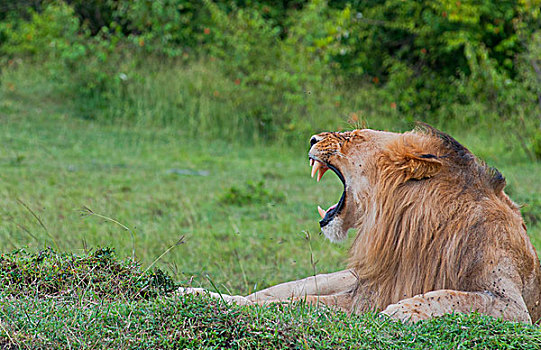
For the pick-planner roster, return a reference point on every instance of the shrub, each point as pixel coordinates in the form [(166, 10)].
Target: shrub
[(82, 64), (168, 27), (425, 51), (440, 61)]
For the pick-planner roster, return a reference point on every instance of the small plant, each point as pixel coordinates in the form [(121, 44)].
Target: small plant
[(251, 193)]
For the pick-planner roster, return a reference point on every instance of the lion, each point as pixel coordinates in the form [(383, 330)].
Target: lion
[(436, 233)]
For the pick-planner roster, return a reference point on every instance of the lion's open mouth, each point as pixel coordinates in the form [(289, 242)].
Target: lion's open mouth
[(320, 168)]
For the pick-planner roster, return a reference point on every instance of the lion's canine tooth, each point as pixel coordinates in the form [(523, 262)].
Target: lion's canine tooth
[(316, 167), (321, 172), (321, 211), (311, 162)]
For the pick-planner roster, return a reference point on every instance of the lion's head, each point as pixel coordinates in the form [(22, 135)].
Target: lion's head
[(353, 156), (369, 162), (419, 201)]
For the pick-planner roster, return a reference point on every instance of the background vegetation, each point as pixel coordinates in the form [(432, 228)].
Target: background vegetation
[(286, 66), (181, 127)]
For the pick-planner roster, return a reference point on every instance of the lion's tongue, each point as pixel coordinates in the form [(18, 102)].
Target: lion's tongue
[(323, 212)]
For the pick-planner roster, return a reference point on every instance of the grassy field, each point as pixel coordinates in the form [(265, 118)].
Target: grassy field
[(163, 185), (95, 300), (240, 215)]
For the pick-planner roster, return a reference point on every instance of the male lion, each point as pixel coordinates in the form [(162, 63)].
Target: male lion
[(435, 232)]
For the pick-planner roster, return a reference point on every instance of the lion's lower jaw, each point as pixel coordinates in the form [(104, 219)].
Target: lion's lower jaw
[(334, 231)]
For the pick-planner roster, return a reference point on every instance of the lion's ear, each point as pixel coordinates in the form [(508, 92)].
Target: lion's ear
[(410, 156), (421, 166)]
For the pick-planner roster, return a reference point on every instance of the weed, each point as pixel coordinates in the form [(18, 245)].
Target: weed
[(89, 212)]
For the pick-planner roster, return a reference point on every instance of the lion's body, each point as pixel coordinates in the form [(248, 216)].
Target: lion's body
[(435, 231), (454, 230)]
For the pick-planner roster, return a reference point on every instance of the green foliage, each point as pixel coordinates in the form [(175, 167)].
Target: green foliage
[(250, 50), (168, 27), (48, 299), (446, 62), (83, 65), (48, 34), (527, 93), (251, 193), (98, 274), (432, 54)]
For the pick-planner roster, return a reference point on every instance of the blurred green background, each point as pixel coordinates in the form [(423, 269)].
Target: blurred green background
[(191, 119)]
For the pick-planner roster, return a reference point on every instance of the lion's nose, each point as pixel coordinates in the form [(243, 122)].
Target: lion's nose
[(314, 140)]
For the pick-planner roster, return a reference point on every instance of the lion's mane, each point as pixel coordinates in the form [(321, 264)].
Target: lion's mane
[(439, 220)]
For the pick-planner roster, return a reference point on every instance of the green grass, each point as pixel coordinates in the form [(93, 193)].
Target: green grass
[(90, 301), (244, 212)]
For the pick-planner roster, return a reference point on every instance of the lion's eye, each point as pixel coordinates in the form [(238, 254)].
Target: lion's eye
[(357, 136)]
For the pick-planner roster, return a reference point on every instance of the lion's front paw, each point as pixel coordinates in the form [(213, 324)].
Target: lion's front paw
[(196, 291), (231, 299), (405, 311)]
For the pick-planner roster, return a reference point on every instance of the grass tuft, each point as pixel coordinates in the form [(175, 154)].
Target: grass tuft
[(97, 274)]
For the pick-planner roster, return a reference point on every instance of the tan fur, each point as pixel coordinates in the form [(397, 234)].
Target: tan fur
[(435, 232)]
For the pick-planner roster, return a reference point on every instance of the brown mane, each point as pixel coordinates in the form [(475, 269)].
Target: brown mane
[(420, 234)]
